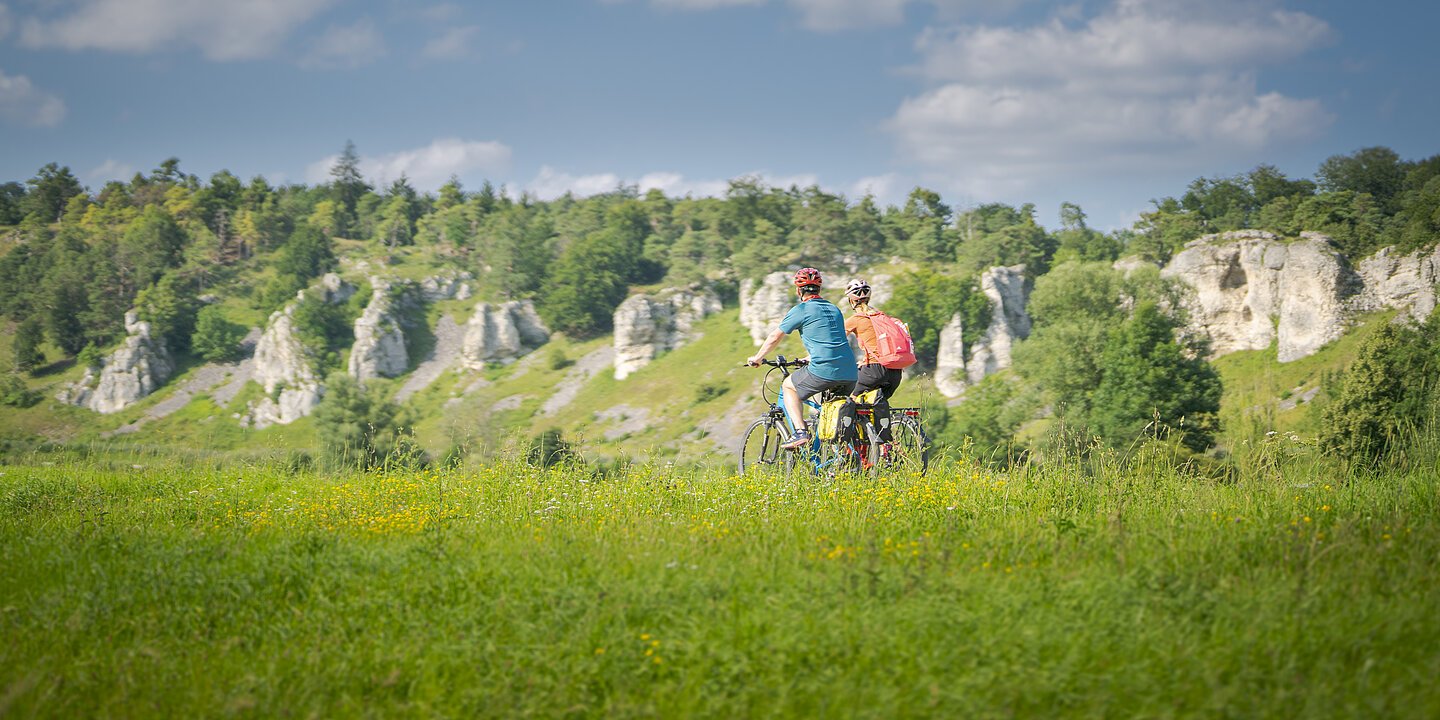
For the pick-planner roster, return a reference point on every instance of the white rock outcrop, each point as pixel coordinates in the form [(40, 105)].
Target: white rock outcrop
[(137, 368), (448, 286), (284, 368), (501, 333), (1252, 290), (1008, 290), (648, 325), (764, 303), (379, 349), (1405, 282)]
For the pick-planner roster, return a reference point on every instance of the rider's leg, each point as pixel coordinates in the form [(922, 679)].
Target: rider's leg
[(792, 405)]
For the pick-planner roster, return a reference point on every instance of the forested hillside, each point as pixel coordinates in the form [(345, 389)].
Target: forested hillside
[(1109, 348)]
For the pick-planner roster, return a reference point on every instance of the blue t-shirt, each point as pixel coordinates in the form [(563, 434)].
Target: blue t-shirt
[(822, 329)]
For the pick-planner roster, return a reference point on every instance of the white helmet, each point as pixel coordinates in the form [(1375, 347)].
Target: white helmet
[(858, 289)]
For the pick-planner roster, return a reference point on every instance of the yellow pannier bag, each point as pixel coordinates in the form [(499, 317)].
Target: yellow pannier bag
[(830, 418)]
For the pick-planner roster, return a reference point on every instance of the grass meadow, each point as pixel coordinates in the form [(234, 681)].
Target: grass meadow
[(1097, 589)]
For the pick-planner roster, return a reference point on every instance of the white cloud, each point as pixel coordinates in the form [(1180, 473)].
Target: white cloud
[(885, 188), (836, 15), (230, 30), (426, 168), (1143, 85), (452, 44), (702, 4), (550, 183), (344, 47), (21, 103), (110, 170)]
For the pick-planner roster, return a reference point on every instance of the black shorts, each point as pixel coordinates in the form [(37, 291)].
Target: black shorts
[(878, 376), (809, 384)]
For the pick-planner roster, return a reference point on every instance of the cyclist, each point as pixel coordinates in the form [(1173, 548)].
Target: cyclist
[(832, 363), (872, 374)]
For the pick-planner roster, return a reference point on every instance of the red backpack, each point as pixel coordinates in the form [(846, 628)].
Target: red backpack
[(892, 341)]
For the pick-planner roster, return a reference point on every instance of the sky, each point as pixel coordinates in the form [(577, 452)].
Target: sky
[(1107, 104)]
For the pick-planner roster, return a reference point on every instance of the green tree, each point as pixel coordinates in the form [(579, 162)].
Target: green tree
[(216, 339), (347, 186), (1374, 171), (1385, 396), (50, 191), (29, 334), (926, 301), (587, 284), (169, 306), (1148, 377), (549, 448), (358, 428), (12, 203), (151, 245)]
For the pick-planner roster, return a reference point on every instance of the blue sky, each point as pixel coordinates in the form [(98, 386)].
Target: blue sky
[(1107, 104)]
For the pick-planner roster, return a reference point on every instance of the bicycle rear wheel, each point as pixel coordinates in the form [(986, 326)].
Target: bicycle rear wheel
[(761, 447), (909, 451)]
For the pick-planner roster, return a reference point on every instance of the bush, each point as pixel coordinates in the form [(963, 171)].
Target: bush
[(549, 448), (216, 339), (15, 393)]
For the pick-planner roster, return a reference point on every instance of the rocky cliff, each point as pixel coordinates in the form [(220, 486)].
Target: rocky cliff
[(1253, 288), (283, 366), (764, 303), (140, 365), (502, 333), (647, 325), (379, 349), (1008, 291)]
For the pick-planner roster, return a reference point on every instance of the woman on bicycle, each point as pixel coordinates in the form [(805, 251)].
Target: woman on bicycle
[(832, 364), (871, 374)]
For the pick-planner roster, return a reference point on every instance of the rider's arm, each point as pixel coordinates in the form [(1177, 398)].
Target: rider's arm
[(770, 343)]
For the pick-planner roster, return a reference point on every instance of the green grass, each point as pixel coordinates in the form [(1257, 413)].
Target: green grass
[(1255, 384), (244, 590)]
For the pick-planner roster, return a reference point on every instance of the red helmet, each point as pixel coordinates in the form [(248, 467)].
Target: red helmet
[(807, 276)]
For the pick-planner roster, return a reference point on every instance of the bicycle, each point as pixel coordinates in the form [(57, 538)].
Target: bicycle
[(908, 450)]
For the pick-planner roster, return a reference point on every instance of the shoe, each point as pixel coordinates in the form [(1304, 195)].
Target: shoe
[(800, 439)]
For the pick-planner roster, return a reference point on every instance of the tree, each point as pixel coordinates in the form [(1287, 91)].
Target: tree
[(347, 186), (1148, 378), (926, 300), (1376, 171), (50, 190), (1388, 395), (586, 285), (216, 339), (549, 448), (28, 337), (151, 245), (12, 203), (358, 428), (169, 307)]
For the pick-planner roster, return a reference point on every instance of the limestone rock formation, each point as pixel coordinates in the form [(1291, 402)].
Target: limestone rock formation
[(1252, 289), (136, 369), (764, 303), (447, 286), (379, 349), (502, 333), (647, 325), (1008, 291), (1406, 282), (285, 369)]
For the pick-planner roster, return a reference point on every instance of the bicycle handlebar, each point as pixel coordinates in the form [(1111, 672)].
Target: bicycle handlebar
[(781, 362)]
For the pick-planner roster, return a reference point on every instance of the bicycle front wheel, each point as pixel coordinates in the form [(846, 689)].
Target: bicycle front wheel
[(909, 451), (761, 447)]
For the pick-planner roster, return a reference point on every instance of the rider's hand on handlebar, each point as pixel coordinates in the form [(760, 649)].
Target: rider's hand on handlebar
[(754, 361)]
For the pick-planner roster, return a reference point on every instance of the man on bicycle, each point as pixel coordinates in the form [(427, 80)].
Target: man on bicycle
[(832, 363)]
